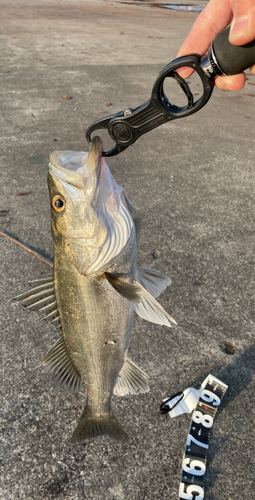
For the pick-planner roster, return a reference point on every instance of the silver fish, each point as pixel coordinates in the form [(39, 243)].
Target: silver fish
[(95, 288)]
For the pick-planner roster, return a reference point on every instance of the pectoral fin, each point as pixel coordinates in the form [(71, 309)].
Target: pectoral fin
[(151, 280), (131, 380), (127, 290), (151, 310), (59, 364), (144, 303)]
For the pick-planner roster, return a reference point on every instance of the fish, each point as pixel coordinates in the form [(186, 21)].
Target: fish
[(95, 288)]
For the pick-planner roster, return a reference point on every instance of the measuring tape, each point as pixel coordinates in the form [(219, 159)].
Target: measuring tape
[(205, 403)]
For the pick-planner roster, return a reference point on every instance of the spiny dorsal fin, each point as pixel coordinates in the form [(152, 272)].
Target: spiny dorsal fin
[(41, 297), (39, 281), (127, 290), (138, 221), (151, 310), (36, 293), (153, 281), (59, 364), (131, 380)]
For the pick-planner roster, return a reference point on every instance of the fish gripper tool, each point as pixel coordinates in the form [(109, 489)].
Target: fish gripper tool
[(223, 58)]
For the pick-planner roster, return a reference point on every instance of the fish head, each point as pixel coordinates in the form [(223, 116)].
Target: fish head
[(91, 215)]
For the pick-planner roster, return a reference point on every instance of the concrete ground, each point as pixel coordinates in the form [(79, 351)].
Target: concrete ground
[(192, 180)]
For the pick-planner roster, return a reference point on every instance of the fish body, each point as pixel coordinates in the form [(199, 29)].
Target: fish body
[(95, 288), (96, 324)]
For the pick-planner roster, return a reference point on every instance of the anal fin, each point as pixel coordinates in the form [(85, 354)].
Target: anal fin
[(59, 364), (131, 380)]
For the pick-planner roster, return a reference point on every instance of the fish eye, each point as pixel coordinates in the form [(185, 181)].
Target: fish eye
[(58, 203)]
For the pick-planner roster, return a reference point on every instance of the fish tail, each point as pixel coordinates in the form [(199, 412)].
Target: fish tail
[(89, 428)]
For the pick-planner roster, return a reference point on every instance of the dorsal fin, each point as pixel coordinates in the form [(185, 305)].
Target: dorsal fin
[(41, 297), (59, 364)]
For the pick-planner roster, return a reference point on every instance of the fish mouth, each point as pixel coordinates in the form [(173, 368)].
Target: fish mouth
[(102, 216), (79, 172)]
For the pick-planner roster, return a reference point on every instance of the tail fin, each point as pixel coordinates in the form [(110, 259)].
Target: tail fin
[(88, 428)]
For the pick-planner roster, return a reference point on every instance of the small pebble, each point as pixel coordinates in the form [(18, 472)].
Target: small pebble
[(157, 254), (230, 348)]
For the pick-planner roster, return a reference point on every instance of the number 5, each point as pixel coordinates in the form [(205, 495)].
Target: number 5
[(191, 490)]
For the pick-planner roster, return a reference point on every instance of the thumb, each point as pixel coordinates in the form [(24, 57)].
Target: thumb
[(243, 24)]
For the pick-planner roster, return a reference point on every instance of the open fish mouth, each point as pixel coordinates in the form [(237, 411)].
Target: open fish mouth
[(101, 214), (79, 172)]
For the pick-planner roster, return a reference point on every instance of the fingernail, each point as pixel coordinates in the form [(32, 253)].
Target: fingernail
[(239, 27)]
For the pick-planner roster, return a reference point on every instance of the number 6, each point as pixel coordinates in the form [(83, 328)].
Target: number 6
[(189, 467)]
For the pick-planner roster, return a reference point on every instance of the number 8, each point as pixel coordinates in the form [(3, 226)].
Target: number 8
[(199, 418)]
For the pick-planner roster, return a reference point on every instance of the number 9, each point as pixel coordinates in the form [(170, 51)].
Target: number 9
[(208, 397)]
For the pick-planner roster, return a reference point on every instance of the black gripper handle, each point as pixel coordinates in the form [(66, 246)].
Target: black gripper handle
[(233, 59)]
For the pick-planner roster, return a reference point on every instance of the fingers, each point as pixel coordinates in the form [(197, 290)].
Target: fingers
[(243, 25), (216, 16), (236, 82), (213, 19)]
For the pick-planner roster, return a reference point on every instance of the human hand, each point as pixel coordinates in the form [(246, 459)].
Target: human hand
[(216, 16)]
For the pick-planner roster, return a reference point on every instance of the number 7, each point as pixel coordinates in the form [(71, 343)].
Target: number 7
[(194, 440)]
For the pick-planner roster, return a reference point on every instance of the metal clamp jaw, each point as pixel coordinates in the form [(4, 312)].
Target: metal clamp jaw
[(127, 126)]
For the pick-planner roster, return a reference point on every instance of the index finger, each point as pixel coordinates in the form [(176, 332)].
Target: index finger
[(215, 17)]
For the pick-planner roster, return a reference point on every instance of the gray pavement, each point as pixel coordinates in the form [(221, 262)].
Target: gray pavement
[(192, 180)]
